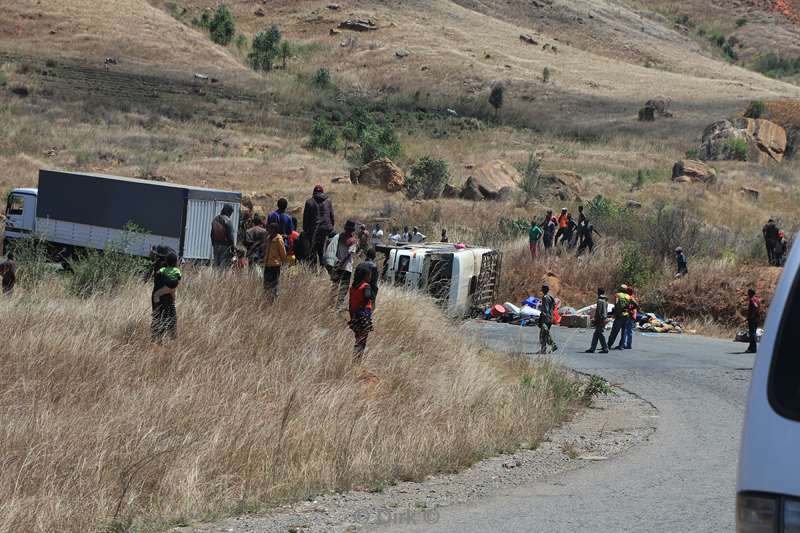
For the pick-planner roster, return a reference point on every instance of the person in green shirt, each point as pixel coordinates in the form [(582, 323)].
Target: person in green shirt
[(535, 239)]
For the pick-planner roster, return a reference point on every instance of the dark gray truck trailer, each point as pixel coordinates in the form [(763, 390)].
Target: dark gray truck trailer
[(72, 210)]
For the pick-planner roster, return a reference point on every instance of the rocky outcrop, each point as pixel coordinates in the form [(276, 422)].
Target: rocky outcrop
[(379, 174), (470, 190), (358, 25), (692, 171), (562, 184), (491, 177), (756, 140)]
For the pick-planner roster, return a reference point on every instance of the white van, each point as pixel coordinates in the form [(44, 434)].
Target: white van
[(768, 490), (461, 280)]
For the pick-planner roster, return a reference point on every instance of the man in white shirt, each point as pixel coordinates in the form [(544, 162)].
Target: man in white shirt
[(377, 235), (417, 237)]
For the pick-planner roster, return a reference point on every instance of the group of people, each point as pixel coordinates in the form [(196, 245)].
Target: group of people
[(777, 245), (561, 232)]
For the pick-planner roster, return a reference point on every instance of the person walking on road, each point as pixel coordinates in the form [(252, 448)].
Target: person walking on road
[(361, 304), (222, 240), (274, 257), (600, 319), (633, 310), (535, 235), (770, 232), (165, 284), (683, 266), (318, 222), (620, 317), (547, 309), (753, 312)]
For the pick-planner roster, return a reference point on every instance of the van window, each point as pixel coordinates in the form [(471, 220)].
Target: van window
[(16, 204), (783, 388), (402, 268)]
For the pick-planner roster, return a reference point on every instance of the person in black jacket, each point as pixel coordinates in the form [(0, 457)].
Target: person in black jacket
[(600, 319), (165, 283), (222, 239), (318, 222)]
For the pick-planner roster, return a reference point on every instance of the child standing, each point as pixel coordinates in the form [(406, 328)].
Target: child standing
[(361, 299), (165, 284)]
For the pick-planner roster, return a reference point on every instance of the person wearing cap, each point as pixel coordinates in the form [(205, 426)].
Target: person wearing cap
[(621, 315), (222, 240), (680, 258), (779, 251), (547, 308), (318, 222), (339, 255)]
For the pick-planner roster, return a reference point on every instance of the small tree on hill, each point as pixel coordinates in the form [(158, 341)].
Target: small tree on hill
[(285, 52), (222, 27), (377, 142), (428, 177), (496, 98), (531, 177), (265, 49)]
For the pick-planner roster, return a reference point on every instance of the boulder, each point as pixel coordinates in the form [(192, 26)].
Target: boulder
[(380, 174), (506, 194), (653, 108), (358, 25), (450, 192), (491, 177), (565, 185), (471, 191), (765, 140), (750, 194), (694, 171)]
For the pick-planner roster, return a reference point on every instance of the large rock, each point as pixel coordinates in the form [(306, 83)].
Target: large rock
[(470, 191), (565, 185), (691, 171), (494, 176), (379, 174), (765, 140)]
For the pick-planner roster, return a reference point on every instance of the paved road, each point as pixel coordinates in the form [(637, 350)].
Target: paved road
[(682, 480)]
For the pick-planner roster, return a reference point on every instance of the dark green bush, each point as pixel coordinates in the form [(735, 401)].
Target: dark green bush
[(265, 49), (738, 149), (776, 66), (756, 109), (324, 135), (322, 78), (428, 177), (222, 26), (94, 271), (377, 142)]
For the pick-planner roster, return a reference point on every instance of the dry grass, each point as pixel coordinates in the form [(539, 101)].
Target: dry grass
[(252, 406)]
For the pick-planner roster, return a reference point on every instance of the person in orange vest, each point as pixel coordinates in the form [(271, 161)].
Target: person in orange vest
[(563, 224)]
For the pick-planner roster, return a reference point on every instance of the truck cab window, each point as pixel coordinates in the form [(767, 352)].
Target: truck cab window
[(16, 204)]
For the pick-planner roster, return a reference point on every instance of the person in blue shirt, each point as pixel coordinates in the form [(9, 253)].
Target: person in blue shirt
[(282, 219)]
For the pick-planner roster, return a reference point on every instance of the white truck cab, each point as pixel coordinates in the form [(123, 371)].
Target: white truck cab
[(462, 280), (21, 213), (768, 489)]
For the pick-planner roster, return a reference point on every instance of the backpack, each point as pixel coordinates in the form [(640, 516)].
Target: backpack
[(218, 233)]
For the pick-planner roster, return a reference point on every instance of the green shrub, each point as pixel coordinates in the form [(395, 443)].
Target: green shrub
[(324, 135), (33, 264), (513, 227), (241, 41), (265, 49), (94, 271), (546, 74), (222, 26), (285, 52), (717, 39), (322, 78), (636, 268), (692, 153), (531, 177), (496, 98), (776, 66), (741, 22), (428, 177), (756, 109), (377, 142), (738, 149), (204, 21)]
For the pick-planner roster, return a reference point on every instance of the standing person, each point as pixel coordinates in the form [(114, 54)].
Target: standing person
[(549, 227), (363, 239), (8, 272), (626, 341), (342, 250), (372, 265), (781, 246), (283, 220), (582, 221), (620, 317), (770, 232), (548, 308), (535, 239), (683, 266), (395, 236), (600, 319), (318, 221), (563, 224), (417, 237), (406, 237), (753, 311), (444, 236), (292, 247), (165, 285), (569, 233), (360, 307), (254, 238), (588, 238), (222, 240), (377, 236), (274, 257)]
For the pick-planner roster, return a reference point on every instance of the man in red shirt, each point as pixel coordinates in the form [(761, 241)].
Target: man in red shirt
[(753, 311)]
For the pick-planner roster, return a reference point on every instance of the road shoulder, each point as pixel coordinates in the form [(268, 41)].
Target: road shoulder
[(612, 425)]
